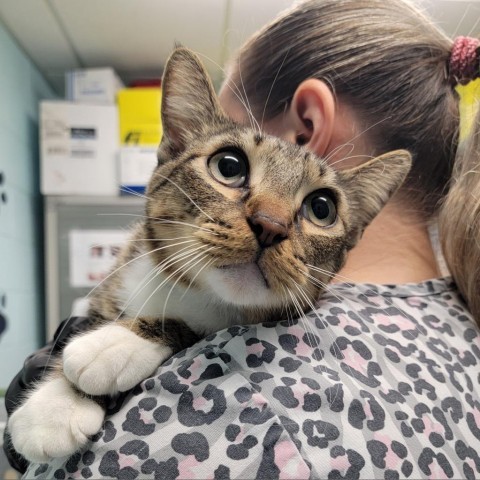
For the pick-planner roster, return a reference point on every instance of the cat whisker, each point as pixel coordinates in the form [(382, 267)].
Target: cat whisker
[(237, 92), (167, 279), (271, 88), (196, 275), (202, 257), (172, 258), (130, 191), (160, 220), (184, 192), (256, 125), (338, 149), (155, 239)]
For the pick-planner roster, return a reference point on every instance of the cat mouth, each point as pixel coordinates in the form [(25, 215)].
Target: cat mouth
[(247, 272)]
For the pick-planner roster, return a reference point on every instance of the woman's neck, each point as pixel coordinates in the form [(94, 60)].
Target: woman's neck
[(395, 248)]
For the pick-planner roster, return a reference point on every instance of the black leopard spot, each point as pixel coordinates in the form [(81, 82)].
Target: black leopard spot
[(311, 383), (167, 470), (288, 381), (72, 464), (356, 461), (377, 451), (268, 468), (170, 382), (289, 364), (243, 394), (162, 414), (465, 452), (88, 458), (149, 384), (258, 377), (136, 447), (288, 342), (109, 466), (42, 468), (335, 397), (268, 354), (312, 402), (319, 433), (191, 444), (127, 473), (221, 473), (86, 472), (240, 451), (232, 431), (399, 449), (110, 431), (285, 396), (213, 370), (188, 416), (136, 425), (147, 404), (426, 459), (256, 416)]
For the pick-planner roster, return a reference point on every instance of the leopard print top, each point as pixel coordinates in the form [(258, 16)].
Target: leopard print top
[(383, 382)]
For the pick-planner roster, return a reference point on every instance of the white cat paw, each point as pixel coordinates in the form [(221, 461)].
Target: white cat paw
[(111, 359), (54, 422)]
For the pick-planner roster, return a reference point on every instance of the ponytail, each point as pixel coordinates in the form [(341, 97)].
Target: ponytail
[(459, 220)]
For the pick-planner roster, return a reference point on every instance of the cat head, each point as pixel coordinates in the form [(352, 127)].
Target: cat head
[(255, 221)]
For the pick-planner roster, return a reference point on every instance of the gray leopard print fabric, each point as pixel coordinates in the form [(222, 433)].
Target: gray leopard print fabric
[(382, 382)]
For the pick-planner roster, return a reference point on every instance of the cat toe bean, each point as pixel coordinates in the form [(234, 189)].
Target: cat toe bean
[(111, 359), (55, 421)]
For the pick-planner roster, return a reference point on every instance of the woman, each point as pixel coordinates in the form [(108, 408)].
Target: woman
[(384, 384)]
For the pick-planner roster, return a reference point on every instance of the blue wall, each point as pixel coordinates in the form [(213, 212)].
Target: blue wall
[(21, 231)]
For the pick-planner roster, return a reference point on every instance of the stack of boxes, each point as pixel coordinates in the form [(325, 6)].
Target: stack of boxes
[(102, 140)]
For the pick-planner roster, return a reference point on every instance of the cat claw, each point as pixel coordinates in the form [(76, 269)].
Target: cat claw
[(55, 421), (111, 359)]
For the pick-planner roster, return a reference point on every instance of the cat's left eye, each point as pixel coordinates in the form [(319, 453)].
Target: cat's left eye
[(319, 207), (229, 168)]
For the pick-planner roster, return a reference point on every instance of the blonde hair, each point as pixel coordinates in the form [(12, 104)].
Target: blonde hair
[(390, 62)]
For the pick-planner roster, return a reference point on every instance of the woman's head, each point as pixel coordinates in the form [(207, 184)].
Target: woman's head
[(382, 60)]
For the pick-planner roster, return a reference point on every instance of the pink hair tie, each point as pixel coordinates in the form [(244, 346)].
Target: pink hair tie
[(464, 64)]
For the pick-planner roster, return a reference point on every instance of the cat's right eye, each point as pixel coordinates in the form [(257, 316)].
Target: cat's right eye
[(319, 207), (229, 167)]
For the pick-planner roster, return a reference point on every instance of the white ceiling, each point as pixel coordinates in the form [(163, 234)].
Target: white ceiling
[(136, 36)]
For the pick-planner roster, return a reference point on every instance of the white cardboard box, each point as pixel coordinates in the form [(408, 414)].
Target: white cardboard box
[(136, 165), (93, 86), (78, 147)]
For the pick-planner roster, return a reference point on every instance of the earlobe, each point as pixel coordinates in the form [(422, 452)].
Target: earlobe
[(313, 112)]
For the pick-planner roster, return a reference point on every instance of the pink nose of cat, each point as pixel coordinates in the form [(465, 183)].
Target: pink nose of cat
[(269, 231)]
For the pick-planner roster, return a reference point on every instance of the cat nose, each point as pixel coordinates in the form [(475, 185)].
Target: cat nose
[(269, 231)]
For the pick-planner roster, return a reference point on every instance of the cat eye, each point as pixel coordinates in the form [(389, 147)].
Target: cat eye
[(229, 167), (319, 207)]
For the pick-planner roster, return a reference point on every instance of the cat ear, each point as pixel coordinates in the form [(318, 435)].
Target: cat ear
[(370, 185), (188, 99)]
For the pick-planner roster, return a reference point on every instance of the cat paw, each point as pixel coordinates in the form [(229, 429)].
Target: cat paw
[(55, 421), (111, 359)]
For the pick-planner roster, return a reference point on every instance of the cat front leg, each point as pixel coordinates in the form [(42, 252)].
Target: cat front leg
[(117, 356), (55, 420)]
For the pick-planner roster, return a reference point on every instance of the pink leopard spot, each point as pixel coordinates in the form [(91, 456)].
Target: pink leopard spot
[(289, 461)]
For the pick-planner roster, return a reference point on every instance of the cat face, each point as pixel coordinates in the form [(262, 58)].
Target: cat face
[(251, 219)]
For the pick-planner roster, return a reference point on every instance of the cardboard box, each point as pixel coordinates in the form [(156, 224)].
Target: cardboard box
[(97, 86), (78, 147), (139, 112), (136, 165)]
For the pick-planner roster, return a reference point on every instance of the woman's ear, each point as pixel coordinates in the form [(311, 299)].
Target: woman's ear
[(312, 113)]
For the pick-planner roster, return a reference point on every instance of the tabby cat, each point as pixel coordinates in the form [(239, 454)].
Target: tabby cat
[(240, 227)]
